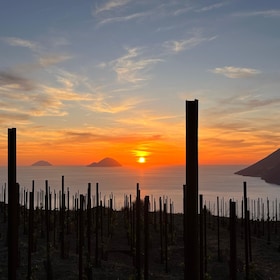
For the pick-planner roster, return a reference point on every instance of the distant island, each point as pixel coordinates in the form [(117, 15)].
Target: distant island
[(267, 169), (41, 163), (106, 162)]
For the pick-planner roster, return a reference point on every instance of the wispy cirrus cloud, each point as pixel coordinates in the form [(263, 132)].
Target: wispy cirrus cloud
[(33, 104), (18, 42), (132, 68), (182, 11), (12, 80), (44, 59), (25, 97), (177, 46), (110, 5), (244, 112), (124, 18), (102, 103), (236, 72), (51, 59), (264, 13), (212, 7)]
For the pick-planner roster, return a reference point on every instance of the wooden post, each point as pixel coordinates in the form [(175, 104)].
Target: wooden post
[(191, 246), (97, 227), (24, 211), (146, 237), (218, 228), (30, 233), (5, 210), (246, 231), (13, 198), (249, 238), (62, 223), (166, 236), (205, 238), (233, 258), (47, 221), (268, 222), (54, 219), (89, 223), (81, 236), (161, 230), (68, 211), (138, 234), (201, 242)]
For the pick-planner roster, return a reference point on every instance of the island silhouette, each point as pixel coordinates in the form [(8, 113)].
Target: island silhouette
[(41, 163), (105, 162), (266, 168)]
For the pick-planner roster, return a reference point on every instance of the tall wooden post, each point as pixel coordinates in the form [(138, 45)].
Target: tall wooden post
[(89, 223), (201, 244), (62, 222), (97, 227), (47, 221), (13, 197), (81, 236), (138, 234), (191, 245), (30, 233), (232, 226), (161, 230), (146, 237), (246, 222), (218, 228)]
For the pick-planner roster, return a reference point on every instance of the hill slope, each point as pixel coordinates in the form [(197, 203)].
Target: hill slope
[(267, 169)]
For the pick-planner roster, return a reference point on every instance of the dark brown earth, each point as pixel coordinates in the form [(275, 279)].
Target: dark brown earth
[(117, 260)]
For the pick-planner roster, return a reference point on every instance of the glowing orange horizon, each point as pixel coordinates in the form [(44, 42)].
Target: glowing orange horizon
[(128, 151)]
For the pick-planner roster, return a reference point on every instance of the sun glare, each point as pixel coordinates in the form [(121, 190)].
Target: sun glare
[(141, 160)]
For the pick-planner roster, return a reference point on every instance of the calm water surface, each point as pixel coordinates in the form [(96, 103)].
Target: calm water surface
[(159, 181)]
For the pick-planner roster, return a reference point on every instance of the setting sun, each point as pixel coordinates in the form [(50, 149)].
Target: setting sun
[(141, 160)]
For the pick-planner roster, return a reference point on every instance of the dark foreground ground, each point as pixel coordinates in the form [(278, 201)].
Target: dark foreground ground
[(116, 253)]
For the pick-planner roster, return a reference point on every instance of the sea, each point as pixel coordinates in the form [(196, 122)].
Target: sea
[(214, 181)]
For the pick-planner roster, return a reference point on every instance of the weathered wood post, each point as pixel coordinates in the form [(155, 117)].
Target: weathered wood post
[(30, 233), (161, 230), (246, 221), (13, 200), (171, 224), (205, 266), (54, 219), (89, 223), (101, 223), (5, 210), (138, 233), (276, 216), (62, 222), (268, 222), (47, 221), (25, 211), (232, 226), (201, 241), (97, 227), (249, 238), (110, 217), (81, 236), (68, 211), (166, 236), (218, 228), (191, 246), (146, 237)]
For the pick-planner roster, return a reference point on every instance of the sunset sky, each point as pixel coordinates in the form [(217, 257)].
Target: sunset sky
[(84, 80)]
